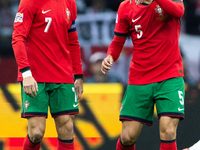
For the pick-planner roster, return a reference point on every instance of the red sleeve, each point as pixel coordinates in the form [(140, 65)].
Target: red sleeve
[(121, 32), (174, 8), (74, 46), (116, 46), (122, 24), (22, 25)]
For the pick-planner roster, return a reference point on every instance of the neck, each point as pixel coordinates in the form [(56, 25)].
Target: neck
[(147, 1)]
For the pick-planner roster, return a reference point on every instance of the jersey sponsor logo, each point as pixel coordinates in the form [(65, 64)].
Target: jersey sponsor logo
[(134, 20), (75, 105), (180, 109), (19, 17), (26, 104), (44, 12)]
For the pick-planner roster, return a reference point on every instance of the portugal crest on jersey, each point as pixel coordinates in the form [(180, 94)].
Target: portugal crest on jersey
[(159, 10), (68, 14)]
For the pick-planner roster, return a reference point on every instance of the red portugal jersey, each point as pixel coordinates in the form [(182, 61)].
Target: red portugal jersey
[(154, 29), (45, 40)]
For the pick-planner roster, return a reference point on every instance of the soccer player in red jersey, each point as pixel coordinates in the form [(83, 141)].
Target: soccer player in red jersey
[(47, 51), (156, 69)]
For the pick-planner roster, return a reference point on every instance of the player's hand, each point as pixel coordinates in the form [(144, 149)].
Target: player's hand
[(79, 87), (138, 2), (107, 64), (30, 86), (130, 1)]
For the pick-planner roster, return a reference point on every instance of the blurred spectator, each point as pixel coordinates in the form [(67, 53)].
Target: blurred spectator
[(7, 15), (95, 68), (113, 4), (192, 16), (81, 6), (98, 6)]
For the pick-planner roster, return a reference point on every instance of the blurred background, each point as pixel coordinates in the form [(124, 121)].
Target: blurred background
[(95, 26)]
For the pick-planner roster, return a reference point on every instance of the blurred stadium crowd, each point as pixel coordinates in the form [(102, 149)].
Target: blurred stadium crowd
[(95, 25)]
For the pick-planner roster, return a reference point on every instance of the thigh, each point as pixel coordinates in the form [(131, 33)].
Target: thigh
[(65, 126), (137, 104), (63, 100), (169, 98), (64, 119), (37, 106)]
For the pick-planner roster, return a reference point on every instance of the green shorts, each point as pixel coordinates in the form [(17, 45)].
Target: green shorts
[(60, 98), (138, 101)]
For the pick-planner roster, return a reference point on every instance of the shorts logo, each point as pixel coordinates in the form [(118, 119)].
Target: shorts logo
[(75, 105), (179, 109), (121, 108), (19, 17), (26, 105)]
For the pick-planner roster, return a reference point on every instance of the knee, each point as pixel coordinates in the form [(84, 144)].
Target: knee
[(168, 132), (126, 139), (36, 135)]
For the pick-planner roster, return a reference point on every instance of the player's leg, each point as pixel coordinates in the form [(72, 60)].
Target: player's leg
[(63, 106), (35, 110), (137, 109), (36, 129), (129, 134), (167, 129), (169, 99), (65, 130)]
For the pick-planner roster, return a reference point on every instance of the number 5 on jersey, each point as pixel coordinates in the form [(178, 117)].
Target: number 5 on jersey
[(48, 20), (138, 30)]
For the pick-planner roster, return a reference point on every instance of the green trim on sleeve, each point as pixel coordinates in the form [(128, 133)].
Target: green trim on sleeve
[(121, 34), (78, 76), (178, 1)]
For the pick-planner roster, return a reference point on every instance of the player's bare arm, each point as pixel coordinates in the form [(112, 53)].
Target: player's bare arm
[(30, 86), (107, 64), (78, 84)]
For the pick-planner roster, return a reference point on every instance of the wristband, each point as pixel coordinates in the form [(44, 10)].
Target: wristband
[(78, 76), (26, 74)]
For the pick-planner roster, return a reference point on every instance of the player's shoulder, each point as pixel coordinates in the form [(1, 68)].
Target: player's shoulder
[(33, 2), (125, 4), (125, 7), (29, 3), (71, 2)]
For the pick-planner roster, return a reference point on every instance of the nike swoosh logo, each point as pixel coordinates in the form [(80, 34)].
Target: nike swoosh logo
[(44, 12), (179, 109), (75, 105), (134, 20)]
